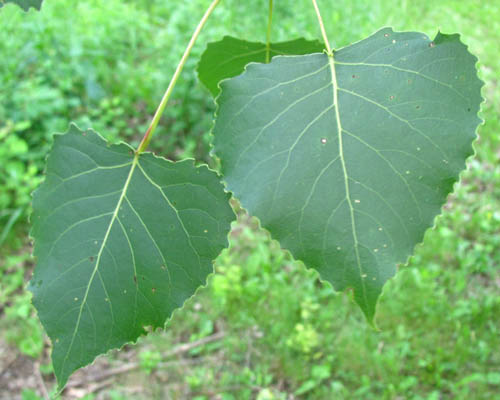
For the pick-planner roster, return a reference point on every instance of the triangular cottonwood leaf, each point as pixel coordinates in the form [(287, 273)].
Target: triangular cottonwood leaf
[(24, 4), (347, 171), (121, 241), (227, 57)]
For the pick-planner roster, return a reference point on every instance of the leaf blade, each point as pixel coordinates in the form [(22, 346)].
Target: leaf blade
[(24, 4), (121, 241), (227, 58), (347, 171)]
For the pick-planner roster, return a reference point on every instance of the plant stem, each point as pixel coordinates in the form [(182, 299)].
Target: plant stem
[(268, 36), (322, 26), (154, 123)]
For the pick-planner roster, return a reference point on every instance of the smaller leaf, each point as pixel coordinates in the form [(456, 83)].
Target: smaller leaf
[(121, 241), (24, 4), (227, 58)]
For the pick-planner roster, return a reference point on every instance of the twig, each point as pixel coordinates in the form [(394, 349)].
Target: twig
[(8, 364), (123, 369), (183, 348), (91, 389), (41, 383)]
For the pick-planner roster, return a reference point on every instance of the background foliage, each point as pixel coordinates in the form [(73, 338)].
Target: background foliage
[(105, 64)]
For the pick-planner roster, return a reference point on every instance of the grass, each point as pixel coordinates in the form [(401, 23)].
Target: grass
[(287, 335)]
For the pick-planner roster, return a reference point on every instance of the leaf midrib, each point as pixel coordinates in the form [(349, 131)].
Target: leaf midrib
[(99, 254), (346, 177)]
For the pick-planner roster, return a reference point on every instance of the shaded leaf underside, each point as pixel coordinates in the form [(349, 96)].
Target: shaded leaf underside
[(227, 58), (348, 170), (24, 4), (121, 241)]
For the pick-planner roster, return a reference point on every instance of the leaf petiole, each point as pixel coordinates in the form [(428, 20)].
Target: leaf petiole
[(156, 118), (268, 35), (322, 27)]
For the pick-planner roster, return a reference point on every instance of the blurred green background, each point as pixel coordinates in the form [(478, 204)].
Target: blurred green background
[(105, 64)]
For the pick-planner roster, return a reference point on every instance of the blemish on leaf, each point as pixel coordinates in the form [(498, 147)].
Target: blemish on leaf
[(380, 229), (91, 258), (432, 44), (76, 299), (386, 34), (391, 97), (153, 290), (357, 201), (323, 140), (364, 276)]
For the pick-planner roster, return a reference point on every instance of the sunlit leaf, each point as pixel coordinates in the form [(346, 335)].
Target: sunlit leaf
[(348, 170), (121, 241)]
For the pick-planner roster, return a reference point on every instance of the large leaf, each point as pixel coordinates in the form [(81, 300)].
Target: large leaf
[(348, 170), (121, 241), (227, 58), (24, 4)]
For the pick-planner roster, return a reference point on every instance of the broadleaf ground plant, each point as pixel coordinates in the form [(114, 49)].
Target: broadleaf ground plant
[(345, 156)]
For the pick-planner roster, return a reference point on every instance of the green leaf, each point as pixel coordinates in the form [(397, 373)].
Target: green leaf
[(348, 170), (227, 58), (121, 241), (24, 4)]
